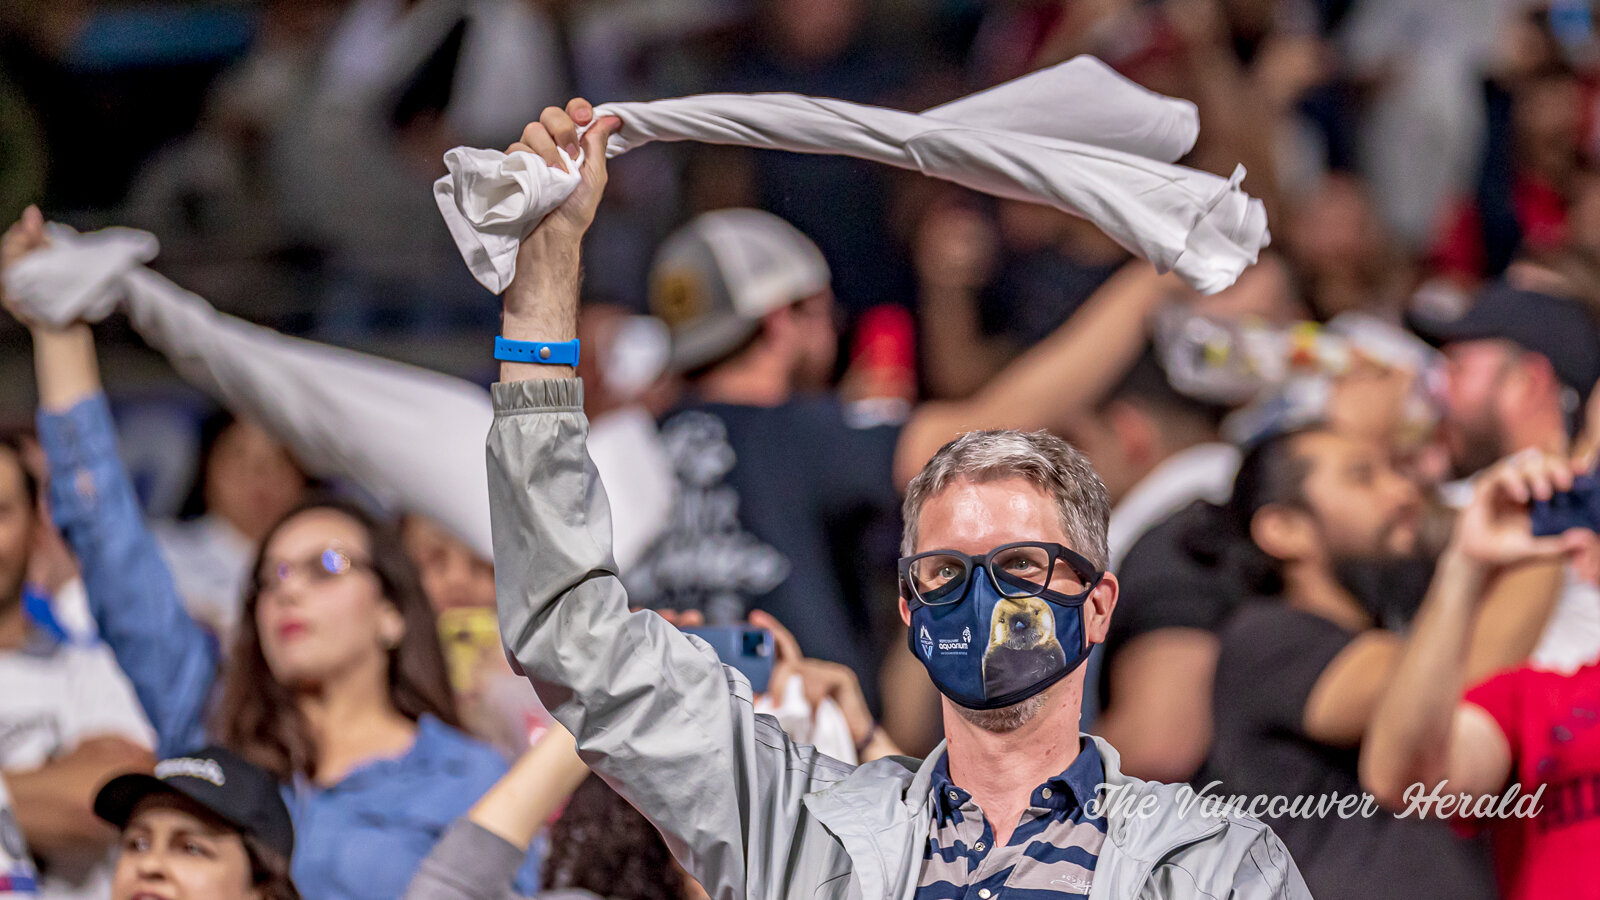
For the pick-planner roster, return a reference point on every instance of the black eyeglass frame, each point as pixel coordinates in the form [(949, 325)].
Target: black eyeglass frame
[(1008, 587)]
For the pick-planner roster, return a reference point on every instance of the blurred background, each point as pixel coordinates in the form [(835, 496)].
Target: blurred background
[(282, 150)]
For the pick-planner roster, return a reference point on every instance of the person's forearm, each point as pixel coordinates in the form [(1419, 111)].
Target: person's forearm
[(1408, 737), (64, 364), (1512, 617), (538, 784), (1075, 367), (541, 303), (1055, 383), (170, 660), (54, 803), (959, 358)]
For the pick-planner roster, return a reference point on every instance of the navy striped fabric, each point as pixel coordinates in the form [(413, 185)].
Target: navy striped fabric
[(1051, 853)]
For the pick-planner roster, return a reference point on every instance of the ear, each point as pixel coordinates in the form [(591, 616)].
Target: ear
[(1097, 608), (1532, 379), (391, 627), (778, 326), (1135, 432), (1283, 532), (905, 611)]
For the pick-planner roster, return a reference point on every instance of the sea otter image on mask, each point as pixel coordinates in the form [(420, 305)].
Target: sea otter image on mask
[(1022, 645)]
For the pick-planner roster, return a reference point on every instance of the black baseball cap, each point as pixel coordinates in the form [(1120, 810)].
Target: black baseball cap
[(1561, 329), (241, 794)]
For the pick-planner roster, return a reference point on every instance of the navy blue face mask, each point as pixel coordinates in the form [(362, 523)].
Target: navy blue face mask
[(993, 630)]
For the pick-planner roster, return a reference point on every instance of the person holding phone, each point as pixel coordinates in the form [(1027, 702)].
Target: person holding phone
[(1525, 732), (1003, 591)]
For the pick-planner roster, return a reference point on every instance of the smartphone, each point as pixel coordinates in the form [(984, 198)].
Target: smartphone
[(470, 638), (1577, 508), (747, 648)]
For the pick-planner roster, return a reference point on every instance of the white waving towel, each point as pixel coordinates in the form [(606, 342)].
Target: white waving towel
[(1075, 136)]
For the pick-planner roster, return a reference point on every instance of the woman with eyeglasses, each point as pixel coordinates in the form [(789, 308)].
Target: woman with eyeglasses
[(335, 682)]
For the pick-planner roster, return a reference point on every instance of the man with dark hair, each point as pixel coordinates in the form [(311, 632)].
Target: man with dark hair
[(68, 717), (1324, 526), (1158, 451), (1003, 591)]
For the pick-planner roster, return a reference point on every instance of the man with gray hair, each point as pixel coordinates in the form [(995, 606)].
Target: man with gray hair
[(1003, 589)]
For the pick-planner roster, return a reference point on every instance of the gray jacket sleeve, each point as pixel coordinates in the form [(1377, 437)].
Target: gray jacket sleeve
[(1269, 873), (654, 712), (469, 863)]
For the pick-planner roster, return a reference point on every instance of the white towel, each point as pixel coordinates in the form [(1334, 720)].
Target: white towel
[(79, 275), (823, 726), (1075, 136)]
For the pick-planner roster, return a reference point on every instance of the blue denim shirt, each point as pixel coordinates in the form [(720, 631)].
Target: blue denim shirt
[(361, 839)]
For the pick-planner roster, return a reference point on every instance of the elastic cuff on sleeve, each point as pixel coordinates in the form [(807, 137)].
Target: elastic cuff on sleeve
[(538, 395)]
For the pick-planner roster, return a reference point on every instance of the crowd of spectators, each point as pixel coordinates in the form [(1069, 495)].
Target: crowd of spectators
[(1296, 465)]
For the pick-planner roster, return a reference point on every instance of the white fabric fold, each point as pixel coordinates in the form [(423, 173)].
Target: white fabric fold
[(1076, 136), (823, 726), (410, 436), (78, 276)]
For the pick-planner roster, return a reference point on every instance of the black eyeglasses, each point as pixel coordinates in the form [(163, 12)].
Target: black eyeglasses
[(1021, 569)]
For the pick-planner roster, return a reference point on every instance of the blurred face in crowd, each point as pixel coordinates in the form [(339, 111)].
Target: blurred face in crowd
[(452, 575), (1548, 117), (174, 850), (808, 329), (251, 480), (16, 528), (321, 613), (816, 29), (1357, 506), (1475, 404)]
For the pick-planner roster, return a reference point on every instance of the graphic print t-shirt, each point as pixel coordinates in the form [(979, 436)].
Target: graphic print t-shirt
[(1552, 722), (774, 512)]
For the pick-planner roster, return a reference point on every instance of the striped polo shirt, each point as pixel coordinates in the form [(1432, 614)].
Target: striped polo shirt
[(1051, 853)]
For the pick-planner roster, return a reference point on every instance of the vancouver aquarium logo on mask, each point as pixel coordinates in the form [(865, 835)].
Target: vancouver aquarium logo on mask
[(927, 642)]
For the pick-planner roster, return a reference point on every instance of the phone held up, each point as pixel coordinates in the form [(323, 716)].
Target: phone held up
[(1577, 508), (748, 649)]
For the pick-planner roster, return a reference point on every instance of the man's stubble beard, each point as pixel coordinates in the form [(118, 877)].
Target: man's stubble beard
[(1006, 719), (1482, 444)]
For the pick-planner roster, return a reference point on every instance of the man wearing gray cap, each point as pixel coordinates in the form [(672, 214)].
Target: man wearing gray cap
[(747, 299)]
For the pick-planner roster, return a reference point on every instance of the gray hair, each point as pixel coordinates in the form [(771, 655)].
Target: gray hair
[(1050, 463)]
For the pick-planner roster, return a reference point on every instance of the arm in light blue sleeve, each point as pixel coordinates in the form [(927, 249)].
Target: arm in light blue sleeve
[(171, 660)]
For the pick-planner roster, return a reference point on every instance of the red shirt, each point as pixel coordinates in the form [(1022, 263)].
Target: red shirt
[(1552, 722)]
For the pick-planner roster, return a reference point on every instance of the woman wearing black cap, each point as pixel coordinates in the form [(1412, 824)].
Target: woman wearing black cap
[(208, 825)]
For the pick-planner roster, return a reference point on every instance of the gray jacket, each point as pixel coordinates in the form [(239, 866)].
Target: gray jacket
[(747, 811)]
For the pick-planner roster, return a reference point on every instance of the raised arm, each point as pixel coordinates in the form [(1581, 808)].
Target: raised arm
[(480, 854), (1054, 383), (170, 660), (654, 712), (1421, 732)]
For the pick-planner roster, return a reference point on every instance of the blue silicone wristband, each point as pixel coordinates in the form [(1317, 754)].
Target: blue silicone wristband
[(559, 353)]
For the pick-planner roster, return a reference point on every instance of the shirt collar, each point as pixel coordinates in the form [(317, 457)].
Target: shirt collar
[(1073, 788)]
